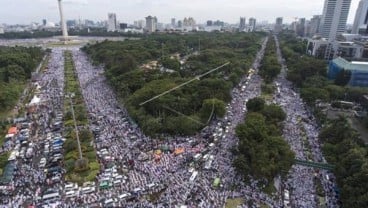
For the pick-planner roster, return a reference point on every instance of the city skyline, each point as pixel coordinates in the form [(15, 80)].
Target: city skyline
[(262, 10)]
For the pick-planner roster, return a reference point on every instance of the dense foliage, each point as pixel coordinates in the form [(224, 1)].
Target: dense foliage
[(262, 152), (343, 148), (16, 66), (187, 109), (270, 66)]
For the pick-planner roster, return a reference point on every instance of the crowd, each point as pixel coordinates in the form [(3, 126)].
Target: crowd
[(145, 172), (299, 122)]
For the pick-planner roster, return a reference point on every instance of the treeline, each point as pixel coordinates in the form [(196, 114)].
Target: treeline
[(29, 34), (343, 148), (16, 66), (270, 66), (262, 152), (187, 109)]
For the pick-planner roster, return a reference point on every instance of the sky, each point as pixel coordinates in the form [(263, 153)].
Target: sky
[(27, 11)]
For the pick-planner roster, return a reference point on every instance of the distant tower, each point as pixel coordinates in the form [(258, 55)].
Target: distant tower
[(111, 23), (63, 25)]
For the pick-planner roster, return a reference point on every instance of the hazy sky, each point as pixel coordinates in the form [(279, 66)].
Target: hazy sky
[(26, 11)]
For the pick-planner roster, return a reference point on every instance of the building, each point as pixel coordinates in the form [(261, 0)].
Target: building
[(278, 25), (111, 22), (44, 22), (334, 17), (2, 30), (300, 27), (173, 22), (242, 24), (180, 24), (123, 26), (151, 24), (314, 25), (252, 23), (209, 23), (361, 17), (358, 71)]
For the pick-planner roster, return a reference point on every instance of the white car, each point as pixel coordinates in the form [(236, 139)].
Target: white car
[(71, 194), (42, 163)]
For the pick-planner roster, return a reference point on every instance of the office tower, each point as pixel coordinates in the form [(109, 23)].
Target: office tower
[(300, 29), (111, 22), (334, 17), (242, 23), (314, 25), (173, 22), (252, 23), (278, 25), (180, 24), (361, 17), (62, 21), (209, 23), (151, 23), (44, 22)]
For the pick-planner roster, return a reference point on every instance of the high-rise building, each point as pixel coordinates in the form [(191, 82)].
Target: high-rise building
[(300, 28), (314, 25), (361, 17), (209, 23), (334, 17), (173, 22), (242, 23), (151, 24), (44, 22), (252, 23), (278, 25), (111, 22), (180, 24)]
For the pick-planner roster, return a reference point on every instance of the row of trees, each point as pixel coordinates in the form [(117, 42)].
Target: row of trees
[(77, 170), (262, 153), (16, 66), (270, 66), (343, 148), (186, 110)]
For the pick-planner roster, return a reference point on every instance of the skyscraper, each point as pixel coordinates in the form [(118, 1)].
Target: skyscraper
[(173, 22), (361, 17), (278, 25), (151, 24), (334, 17), (111, 22), (314, 25), (242, 23), (252, 23)]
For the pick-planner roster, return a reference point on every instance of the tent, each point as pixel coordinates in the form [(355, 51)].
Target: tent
[(12, 130)]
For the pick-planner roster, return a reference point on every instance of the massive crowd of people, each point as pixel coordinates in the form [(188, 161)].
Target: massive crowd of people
[(145, 172)]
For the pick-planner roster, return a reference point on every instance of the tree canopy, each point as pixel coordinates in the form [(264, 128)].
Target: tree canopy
[(16, 66), (133, 68), (262, 152)]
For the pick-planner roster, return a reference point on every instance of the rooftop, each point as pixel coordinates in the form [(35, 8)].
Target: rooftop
[(354, 65)]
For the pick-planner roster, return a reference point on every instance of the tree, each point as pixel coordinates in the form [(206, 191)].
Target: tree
[(255, 104)]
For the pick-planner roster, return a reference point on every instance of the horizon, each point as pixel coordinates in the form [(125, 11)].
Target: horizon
[(164, 10)]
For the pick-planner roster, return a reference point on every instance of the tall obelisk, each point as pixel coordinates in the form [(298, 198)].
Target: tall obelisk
[(63, 25)]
